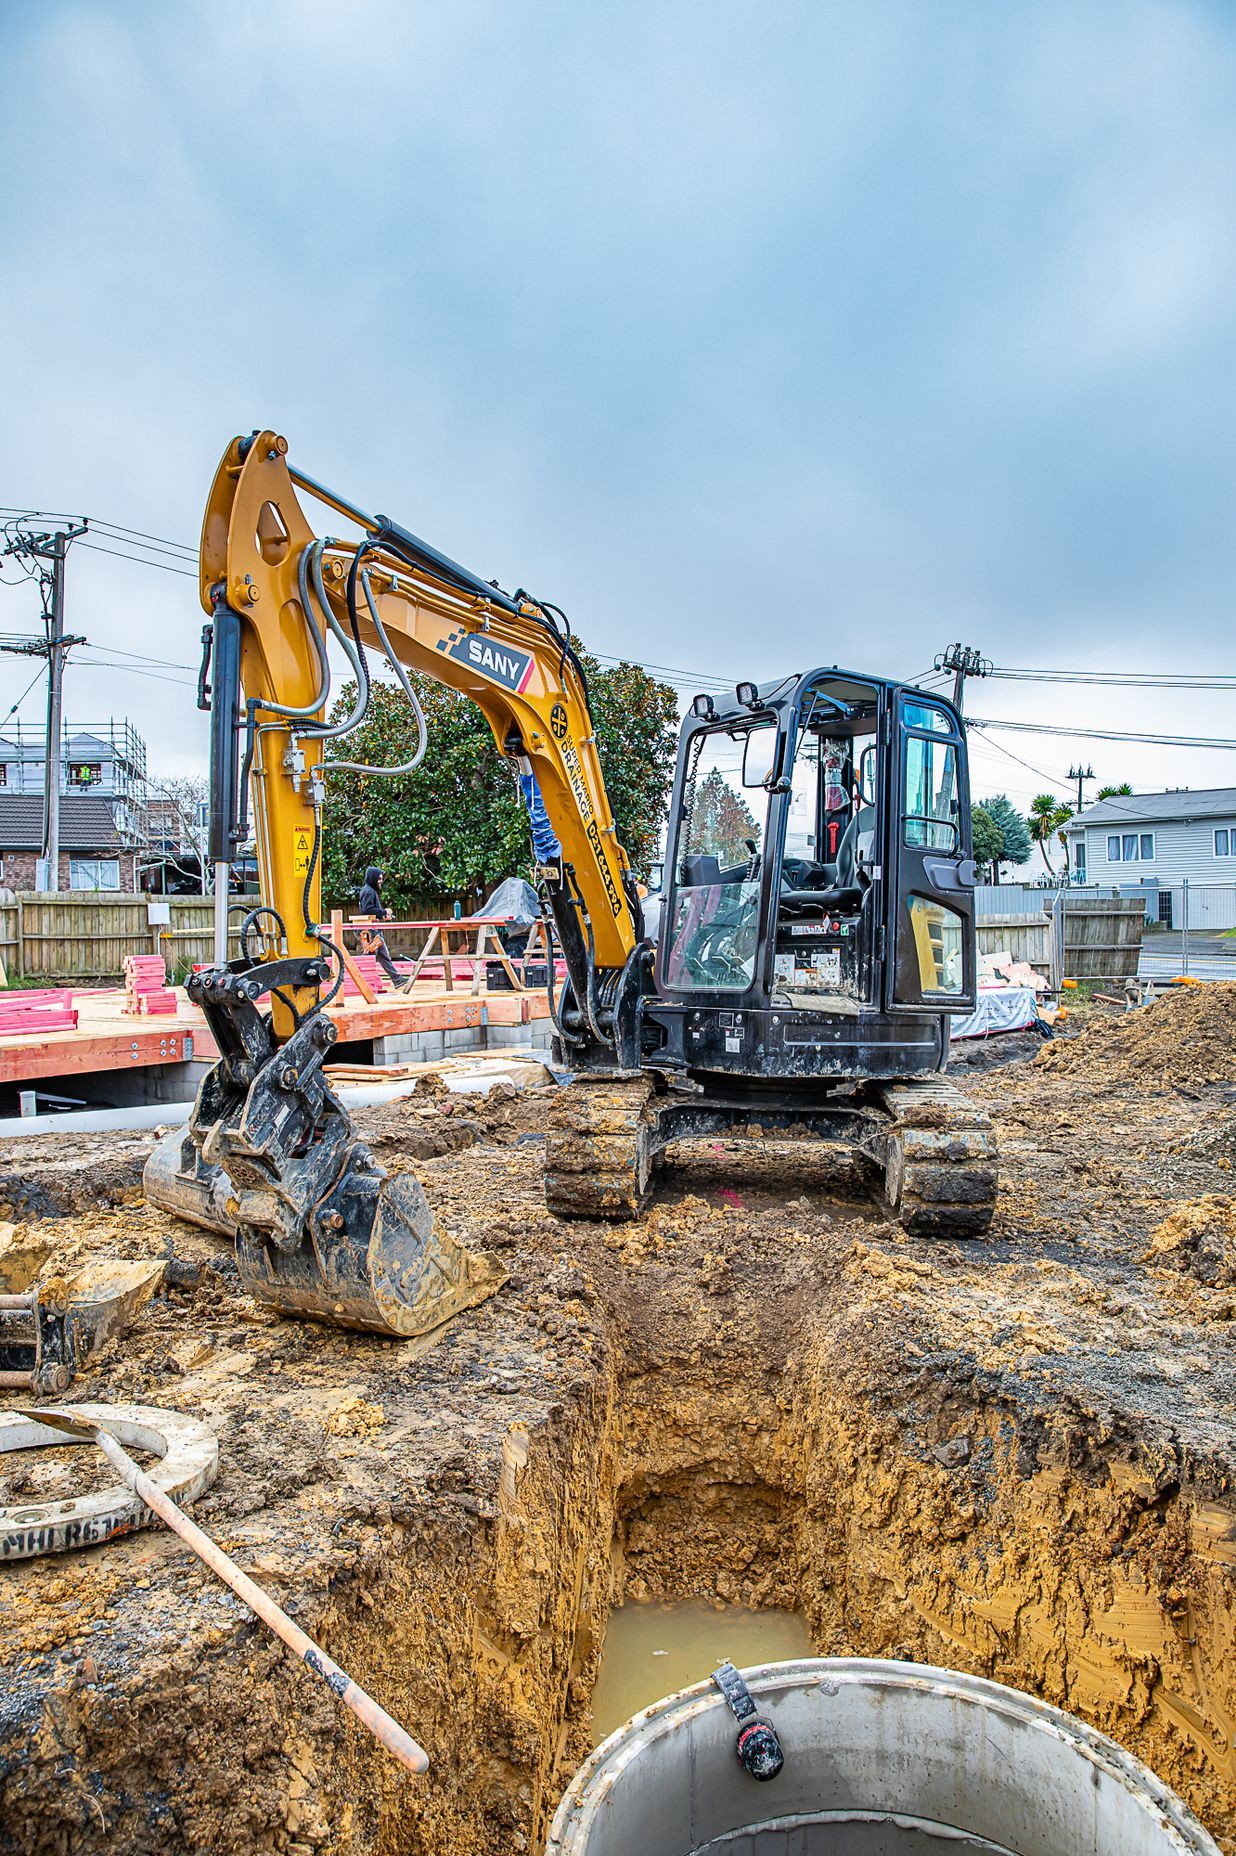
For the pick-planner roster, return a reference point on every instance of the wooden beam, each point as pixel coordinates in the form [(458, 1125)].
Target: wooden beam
[(349, 965)]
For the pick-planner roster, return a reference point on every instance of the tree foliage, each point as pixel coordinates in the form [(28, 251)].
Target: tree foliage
[(721, 821), (456, 825), (1047, 815), (1115, 792), (1014, 832), (988, 838)]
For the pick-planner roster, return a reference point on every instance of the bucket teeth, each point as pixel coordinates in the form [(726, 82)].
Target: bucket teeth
[(388, 1268), (372, 1256)]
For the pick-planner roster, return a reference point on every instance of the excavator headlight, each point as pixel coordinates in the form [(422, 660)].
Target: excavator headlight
[(747, 694), (702, 706)]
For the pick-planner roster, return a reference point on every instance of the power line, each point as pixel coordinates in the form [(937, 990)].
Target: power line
[(145, 547), (142, 657), (179, 547), (1103, 734), (139, 560), (1039, 771), (1148, 679), (32, 515), (36, 678), (133, 670)]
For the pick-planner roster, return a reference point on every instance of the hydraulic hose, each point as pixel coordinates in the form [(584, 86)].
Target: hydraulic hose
[(407, 766), (354, 652)]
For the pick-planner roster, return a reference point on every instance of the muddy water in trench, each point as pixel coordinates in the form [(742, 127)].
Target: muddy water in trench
[(652, 1650)]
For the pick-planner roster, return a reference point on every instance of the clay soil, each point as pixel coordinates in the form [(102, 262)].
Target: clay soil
[(1014, 1456)]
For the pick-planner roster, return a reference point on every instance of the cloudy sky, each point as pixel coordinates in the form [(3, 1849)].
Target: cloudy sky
[(756, 335)]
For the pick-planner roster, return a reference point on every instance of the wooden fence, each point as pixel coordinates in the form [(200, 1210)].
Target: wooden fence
[(1102, 936), (85, 934), (1018, 935)]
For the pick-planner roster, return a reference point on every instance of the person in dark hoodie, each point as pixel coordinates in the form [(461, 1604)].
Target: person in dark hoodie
[(369, 902)]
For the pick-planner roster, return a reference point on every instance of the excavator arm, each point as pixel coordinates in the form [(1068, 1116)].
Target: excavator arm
[(270, 1152), (276, 592)]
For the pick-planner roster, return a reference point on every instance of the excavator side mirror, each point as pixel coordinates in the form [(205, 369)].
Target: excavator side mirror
[(759, 755)]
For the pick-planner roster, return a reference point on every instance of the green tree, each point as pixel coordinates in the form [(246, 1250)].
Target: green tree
[(988, 839), (721, 821), (1014, 832), (1047, 815), (1115, 792), (457, 826)]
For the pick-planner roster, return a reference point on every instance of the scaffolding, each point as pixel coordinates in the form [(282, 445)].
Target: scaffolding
[(106, 758)]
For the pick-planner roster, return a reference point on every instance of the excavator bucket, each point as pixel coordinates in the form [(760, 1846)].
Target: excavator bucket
[(385, 1267), (271, 1158)]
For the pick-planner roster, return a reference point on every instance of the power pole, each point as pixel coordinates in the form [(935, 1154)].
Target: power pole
[(964, 661), (50, 547), (1080, 774)]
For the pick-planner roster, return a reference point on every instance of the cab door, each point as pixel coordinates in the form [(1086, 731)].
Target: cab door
[(932, 965)]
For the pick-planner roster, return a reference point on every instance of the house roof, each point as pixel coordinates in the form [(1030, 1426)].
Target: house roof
[(1156, 808), (86, 822)]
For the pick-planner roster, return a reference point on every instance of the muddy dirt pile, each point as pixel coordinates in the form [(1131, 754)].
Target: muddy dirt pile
[(1016, 1457), (1199, 1237), (1186, 1039)]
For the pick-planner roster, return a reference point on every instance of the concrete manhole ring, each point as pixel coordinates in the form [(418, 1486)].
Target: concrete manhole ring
[(189, 1463)]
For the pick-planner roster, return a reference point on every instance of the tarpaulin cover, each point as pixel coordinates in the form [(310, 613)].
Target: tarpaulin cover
[(999, 1008), (514, 900)]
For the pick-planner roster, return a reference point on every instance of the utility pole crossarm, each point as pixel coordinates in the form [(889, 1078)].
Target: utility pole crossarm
[(964, 661)]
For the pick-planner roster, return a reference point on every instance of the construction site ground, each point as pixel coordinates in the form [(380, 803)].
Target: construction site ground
[(1012, 1455)]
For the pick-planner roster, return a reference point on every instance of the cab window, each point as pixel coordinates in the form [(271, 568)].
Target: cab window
[(714, 925), (932, 808)]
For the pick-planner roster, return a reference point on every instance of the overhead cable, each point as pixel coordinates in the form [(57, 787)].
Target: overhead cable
[(1102, 734)]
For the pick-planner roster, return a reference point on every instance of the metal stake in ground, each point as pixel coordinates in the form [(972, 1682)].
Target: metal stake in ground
[(381, 1725)]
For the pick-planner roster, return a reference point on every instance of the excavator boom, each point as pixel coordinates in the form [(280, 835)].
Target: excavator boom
[(270, 1152)]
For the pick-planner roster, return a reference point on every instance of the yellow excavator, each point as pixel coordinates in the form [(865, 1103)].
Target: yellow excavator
[(815, 932)]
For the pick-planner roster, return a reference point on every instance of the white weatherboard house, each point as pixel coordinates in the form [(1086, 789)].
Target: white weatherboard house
[(1157, 842)]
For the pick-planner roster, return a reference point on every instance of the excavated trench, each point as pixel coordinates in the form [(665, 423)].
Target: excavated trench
[(1012, 1458)]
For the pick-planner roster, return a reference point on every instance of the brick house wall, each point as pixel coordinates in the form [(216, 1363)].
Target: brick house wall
[(17, 869)]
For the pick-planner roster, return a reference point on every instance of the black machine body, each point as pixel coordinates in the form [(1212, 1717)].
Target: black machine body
[(818, 914)]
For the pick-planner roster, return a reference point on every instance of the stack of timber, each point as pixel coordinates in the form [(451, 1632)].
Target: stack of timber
[(22, 1013), (367, 966), (146, 990)]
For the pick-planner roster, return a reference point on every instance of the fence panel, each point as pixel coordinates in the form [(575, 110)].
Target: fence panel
[(1018, 935), (10, 940), (81, 934), (85, 935), (1102, 936), (1195, 933)]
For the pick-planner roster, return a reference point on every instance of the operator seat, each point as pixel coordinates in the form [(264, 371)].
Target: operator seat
[(846, 881), (700, 871)]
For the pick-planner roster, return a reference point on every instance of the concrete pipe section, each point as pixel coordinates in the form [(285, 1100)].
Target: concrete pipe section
[(880, 1759), (188, 1463)]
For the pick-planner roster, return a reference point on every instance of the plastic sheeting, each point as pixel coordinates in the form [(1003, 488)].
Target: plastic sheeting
[(514, 900), (999, 1008)]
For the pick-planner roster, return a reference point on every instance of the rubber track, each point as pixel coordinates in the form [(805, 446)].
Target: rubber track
[(598, 1162), (941, 1169)]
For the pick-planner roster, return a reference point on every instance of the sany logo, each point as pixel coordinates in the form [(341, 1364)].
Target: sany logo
[(500, 662)]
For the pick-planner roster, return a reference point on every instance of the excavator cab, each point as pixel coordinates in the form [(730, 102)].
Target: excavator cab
[(819, 916), (816, 934), (817, 930)]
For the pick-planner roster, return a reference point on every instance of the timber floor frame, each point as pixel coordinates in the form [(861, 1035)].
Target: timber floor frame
[(107, 1038)]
